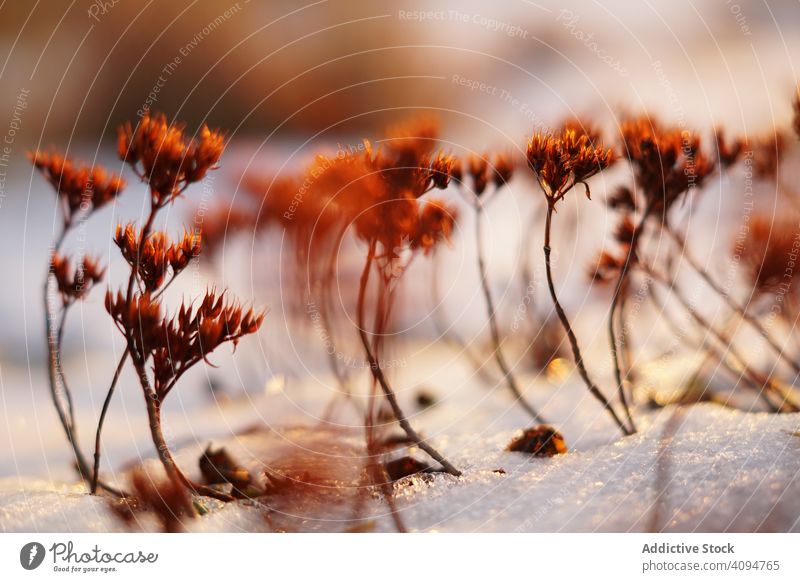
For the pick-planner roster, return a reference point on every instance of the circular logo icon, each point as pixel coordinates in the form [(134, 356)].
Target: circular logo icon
[(31, 555)]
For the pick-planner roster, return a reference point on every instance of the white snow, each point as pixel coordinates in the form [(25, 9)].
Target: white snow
[(701, 467)]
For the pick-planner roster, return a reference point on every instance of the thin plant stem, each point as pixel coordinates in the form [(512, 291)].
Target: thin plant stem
[(491, 310), (55, 375), (379, 376), (56, 379), (171, 468), (619, 289), (573, 340), (101, 421), (107, 402), (706, 346), (625, 335)]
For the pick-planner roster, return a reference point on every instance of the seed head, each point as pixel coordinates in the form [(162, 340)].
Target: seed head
[(567, 158), (156, 255), (162, 156), (81, 189), (75, 284), (435, 224)]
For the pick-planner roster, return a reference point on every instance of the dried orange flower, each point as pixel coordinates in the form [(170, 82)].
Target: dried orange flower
[(162, 156), (767, 152), (191, 335), (442, 169), (403, 161), (560, 161), (502, 169), (142, 318), (625, 231), (81, 189), (583, 127), (178, 343), (478, 170), (411, 139), (157, 254), (435, 224), (622, 199), (605, 268), (667, 161), (75, 284)]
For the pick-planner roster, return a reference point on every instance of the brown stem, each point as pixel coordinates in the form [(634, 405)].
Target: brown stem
[(379, 376), (573, 340), (380, 479), (171, 468), (101, 421), (508, 375), (58, 389), (151, 397), (615, 299), (56, 377), (56, 380), (625, 336)]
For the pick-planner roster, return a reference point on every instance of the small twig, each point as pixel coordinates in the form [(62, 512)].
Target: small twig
[(102, 419), (619, 289)]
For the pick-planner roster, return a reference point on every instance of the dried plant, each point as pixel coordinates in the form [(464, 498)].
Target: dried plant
[(561, 161), (396, 227), (767, 152), (667, 163), (375, 194), (682, 150), (80, 190), (168, 162)]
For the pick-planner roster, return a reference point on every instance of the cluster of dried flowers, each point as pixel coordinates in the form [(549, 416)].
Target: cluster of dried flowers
[(669, 164), (382, 198), (381, 195), (161, 347)]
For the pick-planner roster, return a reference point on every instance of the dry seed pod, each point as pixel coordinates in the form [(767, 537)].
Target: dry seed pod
[(539, 441)]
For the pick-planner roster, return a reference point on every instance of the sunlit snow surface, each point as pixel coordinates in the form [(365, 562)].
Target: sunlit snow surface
[(697, 468)]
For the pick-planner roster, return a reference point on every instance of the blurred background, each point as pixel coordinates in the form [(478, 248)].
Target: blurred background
[(285, 79)]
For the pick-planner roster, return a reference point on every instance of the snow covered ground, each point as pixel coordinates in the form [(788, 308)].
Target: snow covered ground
[(695, 468)]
